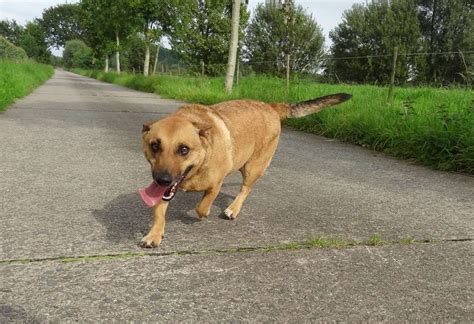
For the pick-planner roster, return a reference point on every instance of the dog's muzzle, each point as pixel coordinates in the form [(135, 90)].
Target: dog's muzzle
[(171, 191)]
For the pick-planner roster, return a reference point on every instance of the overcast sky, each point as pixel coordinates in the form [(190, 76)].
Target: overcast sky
[(328, 13)]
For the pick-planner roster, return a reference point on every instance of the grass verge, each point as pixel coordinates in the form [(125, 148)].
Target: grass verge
[(17, 79), (429, 125)]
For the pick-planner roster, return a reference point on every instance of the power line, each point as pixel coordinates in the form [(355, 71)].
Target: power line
[(329, 58), (401, 54)]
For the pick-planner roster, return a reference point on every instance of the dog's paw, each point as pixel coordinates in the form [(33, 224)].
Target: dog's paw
[(229, 214), (149, 241), (202, 214)]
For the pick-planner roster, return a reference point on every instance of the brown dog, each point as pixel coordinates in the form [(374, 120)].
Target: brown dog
[(196, 147)]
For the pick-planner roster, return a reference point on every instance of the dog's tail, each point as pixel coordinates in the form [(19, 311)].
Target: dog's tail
[(310, 106)]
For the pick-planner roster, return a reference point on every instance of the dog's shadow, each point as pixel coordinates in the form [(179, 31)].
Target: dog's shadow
[(127, 218)]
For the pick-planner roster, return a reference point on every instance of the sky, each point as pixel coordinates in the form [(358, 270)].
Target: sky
[(328, 13)]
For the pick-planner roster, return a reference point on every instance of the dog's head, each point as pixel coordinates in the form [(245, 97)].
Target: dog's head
[(174, 146)]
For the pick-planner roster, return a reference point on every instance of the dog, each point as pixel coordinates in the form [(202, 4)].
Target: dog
[(196, 147)]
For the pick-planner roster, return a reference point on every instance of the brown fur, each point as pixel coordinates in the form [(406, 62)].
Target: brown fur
[(239, 135)]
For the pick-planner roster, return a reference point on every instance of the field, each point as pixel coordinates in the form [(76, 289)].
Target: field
[(432, 126), (19, 79)]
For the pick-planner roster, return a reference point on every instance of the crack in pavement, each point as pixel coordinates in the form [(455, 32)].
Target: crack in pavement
[(317, 243)]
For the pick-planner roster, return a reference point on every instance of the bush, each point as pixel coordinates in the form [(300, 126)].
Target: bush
[(10, 51), (77, 55)]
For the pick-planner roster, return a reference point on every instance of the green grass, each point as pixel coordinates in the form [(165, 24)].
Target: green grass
[(376, 240), (19, 79), (429, 125)]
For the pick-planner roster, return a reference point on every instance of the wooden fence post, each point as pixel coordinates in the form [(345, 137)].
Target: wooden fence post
[(468, 76), (202, 68), (392, 77), (288, 74), (238, 72), (287, 19)]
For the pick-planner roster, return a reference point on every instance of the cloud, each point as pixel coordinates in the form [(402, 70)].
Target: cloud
[(25, 10)]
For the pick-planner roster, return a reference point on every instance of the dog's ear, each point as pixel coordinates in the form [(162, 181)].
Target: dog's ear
[(147, 125), (204, 132), (203, 129)]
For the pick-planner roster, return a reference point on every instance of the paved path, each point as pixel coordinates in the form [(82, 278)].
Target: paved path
[(70, 167)]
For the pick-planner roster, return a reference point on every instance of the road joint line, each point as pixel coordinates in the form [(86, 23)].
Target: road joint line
[(292, 246)]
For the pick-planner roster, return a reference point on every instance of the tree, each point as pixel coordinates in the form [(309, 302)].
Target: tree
[(112, 20), (33, 41), (62, 23), (373, 30), (133, 52), (270, 39), (151, 15), (96, 36), (56, 61), (199, 32), (234, 40), (11, 31), (31, 38), (77, 54), (447, 26)]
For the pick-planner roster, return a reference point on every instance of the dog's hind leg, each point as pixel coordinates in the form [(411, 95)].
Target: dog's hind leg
[(251, 172), (204, 207)]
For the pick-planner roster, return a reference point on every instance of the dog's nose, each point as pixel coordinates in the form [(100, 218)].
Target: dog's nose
[(162, 178)]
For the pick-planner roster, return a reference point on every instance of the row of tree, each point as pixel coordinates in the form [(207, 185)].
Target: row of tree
[(32, 38), (198, 32), (441, 29)]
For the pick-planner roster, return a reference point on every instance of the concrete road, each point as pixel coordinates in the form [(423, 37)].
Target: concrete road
[(71, 218)]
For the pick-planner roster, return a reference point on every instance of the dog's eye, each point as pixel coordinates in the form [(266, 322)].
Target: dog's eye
[(183, 150), (155, 147)]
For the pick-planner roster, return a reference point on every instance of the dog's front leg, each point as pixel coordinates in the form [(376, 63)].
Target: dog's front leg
[(204, 207), (155, 235)]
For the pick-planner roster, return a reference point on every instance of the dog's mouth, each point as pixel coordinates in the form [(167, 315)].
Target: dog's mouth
[(152, 194)]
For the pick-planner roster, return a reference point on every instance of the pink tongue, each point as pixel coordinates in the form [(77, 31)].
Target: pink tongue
[(152, 194)]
